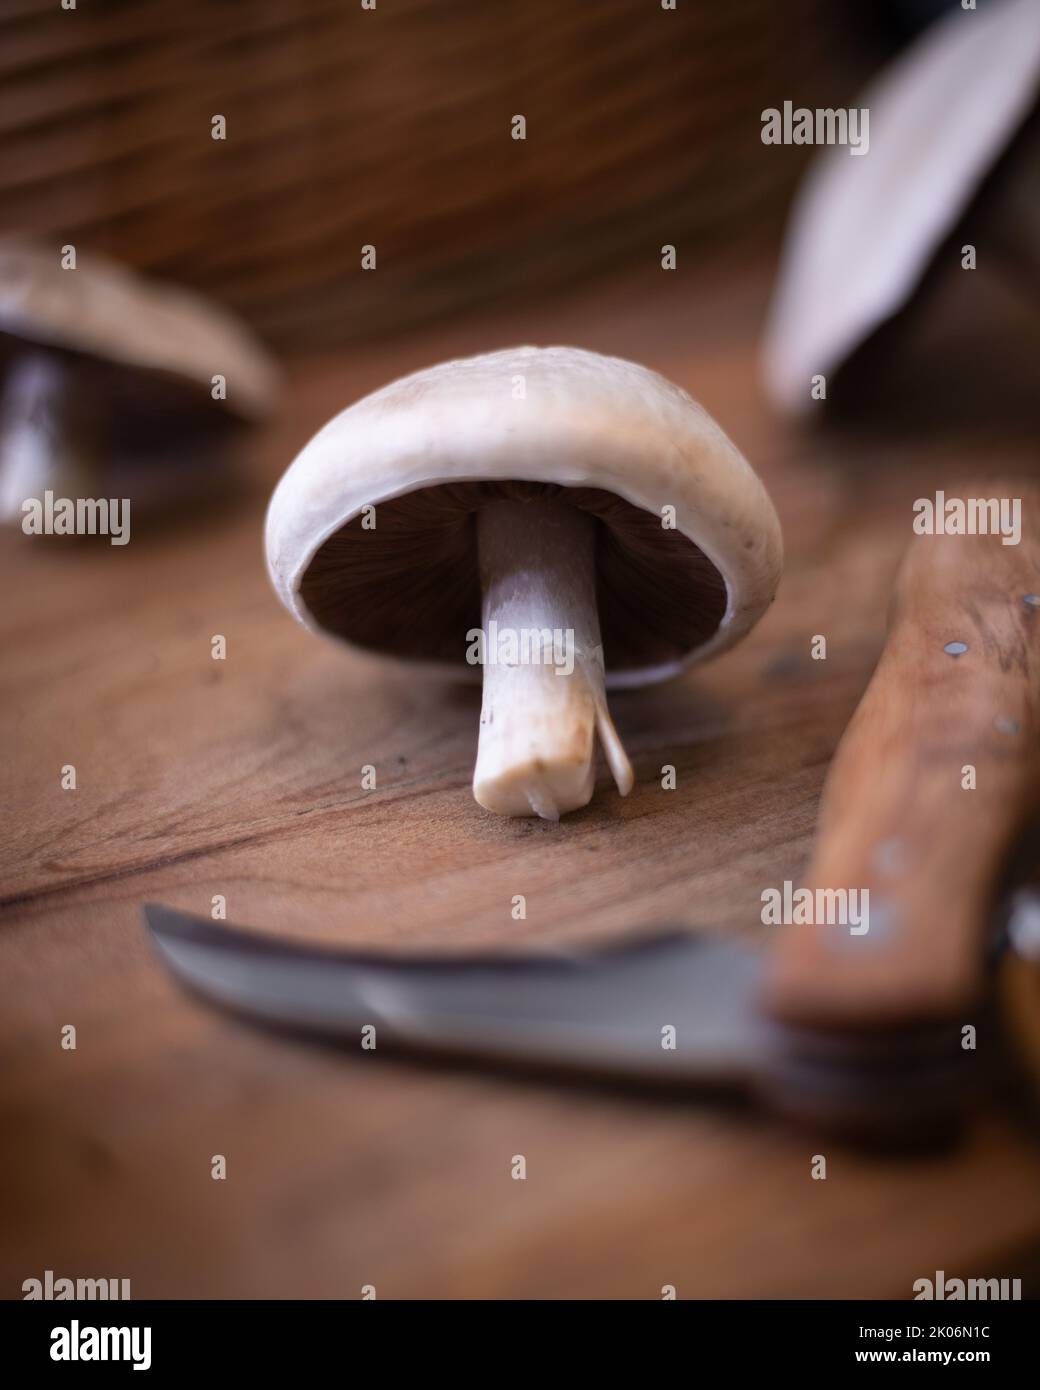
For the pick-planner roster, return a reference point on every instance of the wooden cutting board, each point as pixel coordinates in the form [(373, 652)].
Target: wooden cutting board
[(242, 778)]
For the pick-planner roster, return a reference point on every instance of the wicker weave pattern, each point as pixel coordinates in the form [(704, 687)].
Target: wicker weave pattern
[(391, 127)]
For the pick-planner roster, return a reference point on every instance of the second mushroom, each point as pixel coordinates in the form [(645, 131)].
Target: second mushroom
[(565, 521)]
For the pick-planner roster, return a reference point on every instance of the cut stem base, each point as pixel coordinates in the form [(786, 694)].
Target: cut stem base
[(544, 693)]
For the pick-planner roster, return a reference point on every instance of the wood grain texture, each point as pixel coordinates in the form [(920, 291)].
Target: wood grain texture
[(242, 778)]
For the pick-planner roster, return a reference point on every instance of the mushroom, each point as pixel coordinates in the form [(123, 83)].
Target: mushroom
[(578, 501), (950, 134), (103, 370)]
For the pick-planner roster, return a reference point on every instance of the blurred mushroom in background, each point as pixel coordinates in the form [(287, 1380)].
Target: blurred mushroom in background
[(112, 382), (954, 156)]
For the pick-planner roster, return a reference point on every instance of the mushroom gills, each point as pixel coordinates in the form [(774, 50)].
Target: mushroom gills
[(544, 698)]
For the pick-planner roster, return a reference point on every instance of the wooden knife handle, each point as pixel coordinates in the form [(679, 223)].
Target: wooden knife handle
[(898, 817)]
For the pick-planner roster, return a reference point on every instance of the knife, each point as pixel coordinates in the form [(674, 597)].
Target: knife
[(887, 1032)]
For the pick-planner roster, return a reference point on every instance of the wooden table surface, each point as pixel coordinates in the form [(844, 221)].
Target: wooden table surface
[(242, 778)]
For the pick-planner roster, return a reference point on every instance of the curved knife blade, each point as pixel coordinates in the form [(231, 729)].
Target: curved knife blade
[(605, 1010), (671, 1009)]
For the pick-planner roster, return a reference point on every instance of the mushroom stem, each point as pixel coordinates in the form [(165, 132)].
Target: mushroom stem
[(544, 694), (39, 434)]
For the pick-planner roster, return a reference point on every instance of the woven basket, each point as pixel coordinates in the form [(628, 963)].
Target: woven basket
[(392, 127)]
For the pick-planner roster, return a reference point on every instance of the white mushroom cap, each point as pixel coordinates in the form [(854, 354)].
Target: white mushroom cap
[(865, 227), (611, 436), (104, 311)]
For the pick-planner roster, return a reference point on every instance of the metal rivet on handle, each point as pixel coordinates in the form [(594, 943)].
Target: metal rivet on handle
[(1032, 599), (955, 648), (1024, 924), (881, 918), (1004, 725), (889, 856)]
